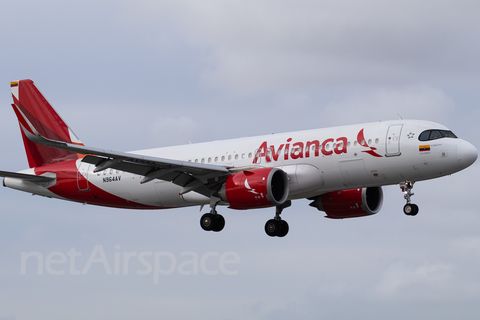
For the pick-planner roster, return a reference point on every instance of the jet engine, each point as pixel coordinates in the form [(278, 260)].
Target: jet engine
[(350, 203), (256, 188)]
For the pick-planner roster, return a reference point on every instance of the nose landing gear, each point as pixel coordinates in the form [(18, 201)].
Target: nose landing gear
[(409, 209)]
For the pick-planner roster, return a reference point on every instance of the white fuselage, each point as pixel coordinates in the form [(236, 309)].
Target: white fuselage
[(316, 161)]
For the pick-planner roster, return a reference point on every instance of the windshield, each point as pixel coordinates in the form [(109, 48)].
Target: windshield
[(436, 134)]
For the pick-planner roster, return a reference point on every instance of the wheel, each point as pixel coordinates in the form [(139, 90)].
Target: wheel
[(272, 227), (410, 209), (219, 223), (207, 222), (415, 210), (284, 229)]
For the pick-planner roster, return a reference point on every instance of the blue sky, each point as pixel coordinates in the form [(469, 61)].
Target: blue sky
[(135, 75)]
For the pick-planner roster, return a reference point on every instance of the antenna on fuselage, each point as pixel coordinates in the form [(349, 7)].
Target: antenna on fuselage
[(399, 116)]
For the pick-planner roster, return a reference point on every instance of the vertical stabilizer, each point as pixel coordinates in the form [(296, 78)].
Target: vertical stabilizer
[(33, 110)]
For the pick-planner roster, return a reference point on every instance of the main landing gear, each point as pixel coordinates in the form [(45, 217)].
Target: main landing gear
[(409, 209), (277, 227), (212, 221)]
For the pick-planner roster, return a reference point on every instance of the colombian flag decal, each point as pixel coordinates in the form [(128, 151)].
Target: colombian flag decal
[(424, 148), (14, 84)]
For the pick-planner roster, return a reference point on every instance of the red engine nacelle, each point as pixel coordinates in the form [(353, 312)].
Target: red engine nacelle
[(257, 188), (350, 203)]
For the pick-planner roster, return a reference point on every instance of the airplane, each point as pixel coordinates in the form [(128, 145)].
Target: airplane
[(340, 169)]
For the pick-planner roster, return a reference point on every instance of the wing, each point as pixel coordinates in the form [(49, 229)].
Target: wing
[(205, 179)]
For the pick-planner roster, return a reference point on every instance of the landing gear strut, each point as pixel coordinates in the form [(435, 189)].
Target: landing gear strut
[(409, 209), (212, 221), (277, 227)]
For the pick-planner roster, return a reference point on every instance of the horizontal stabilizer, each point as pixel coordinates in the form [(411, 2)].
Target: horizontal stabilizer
[(26, 177)]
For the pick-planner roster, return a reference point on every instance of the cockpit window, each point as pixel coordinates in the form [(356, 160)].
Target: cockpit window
[(448, 134), (436, 134), (424, 136)]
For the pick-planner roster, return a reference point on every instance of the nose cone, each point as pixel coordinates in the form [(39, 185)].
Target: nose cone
[(466, 154)]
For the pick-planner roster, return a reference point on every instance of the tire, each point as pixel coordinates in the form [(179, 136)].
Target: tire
[(272, 227), (219, 223), (410, 209), (284, 228), (207, 222), (415, 210)]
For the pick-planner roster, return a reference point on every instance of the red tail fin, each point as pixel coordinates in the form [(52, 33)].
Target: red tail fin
[(31, 107)]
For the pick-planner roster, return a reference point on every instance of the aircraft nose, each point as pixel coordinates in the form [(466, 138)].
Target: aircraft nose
[(466, 154)]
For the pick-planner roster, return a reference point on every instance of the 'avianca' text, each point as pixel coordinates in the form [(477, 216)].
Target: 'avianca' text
[(300, 150)]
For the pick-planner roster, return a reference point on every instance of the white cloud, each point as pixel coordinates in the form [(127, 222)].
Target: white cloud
[(271, 44), (370, 104), (170, 131), (467, 247), (399, 277)]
